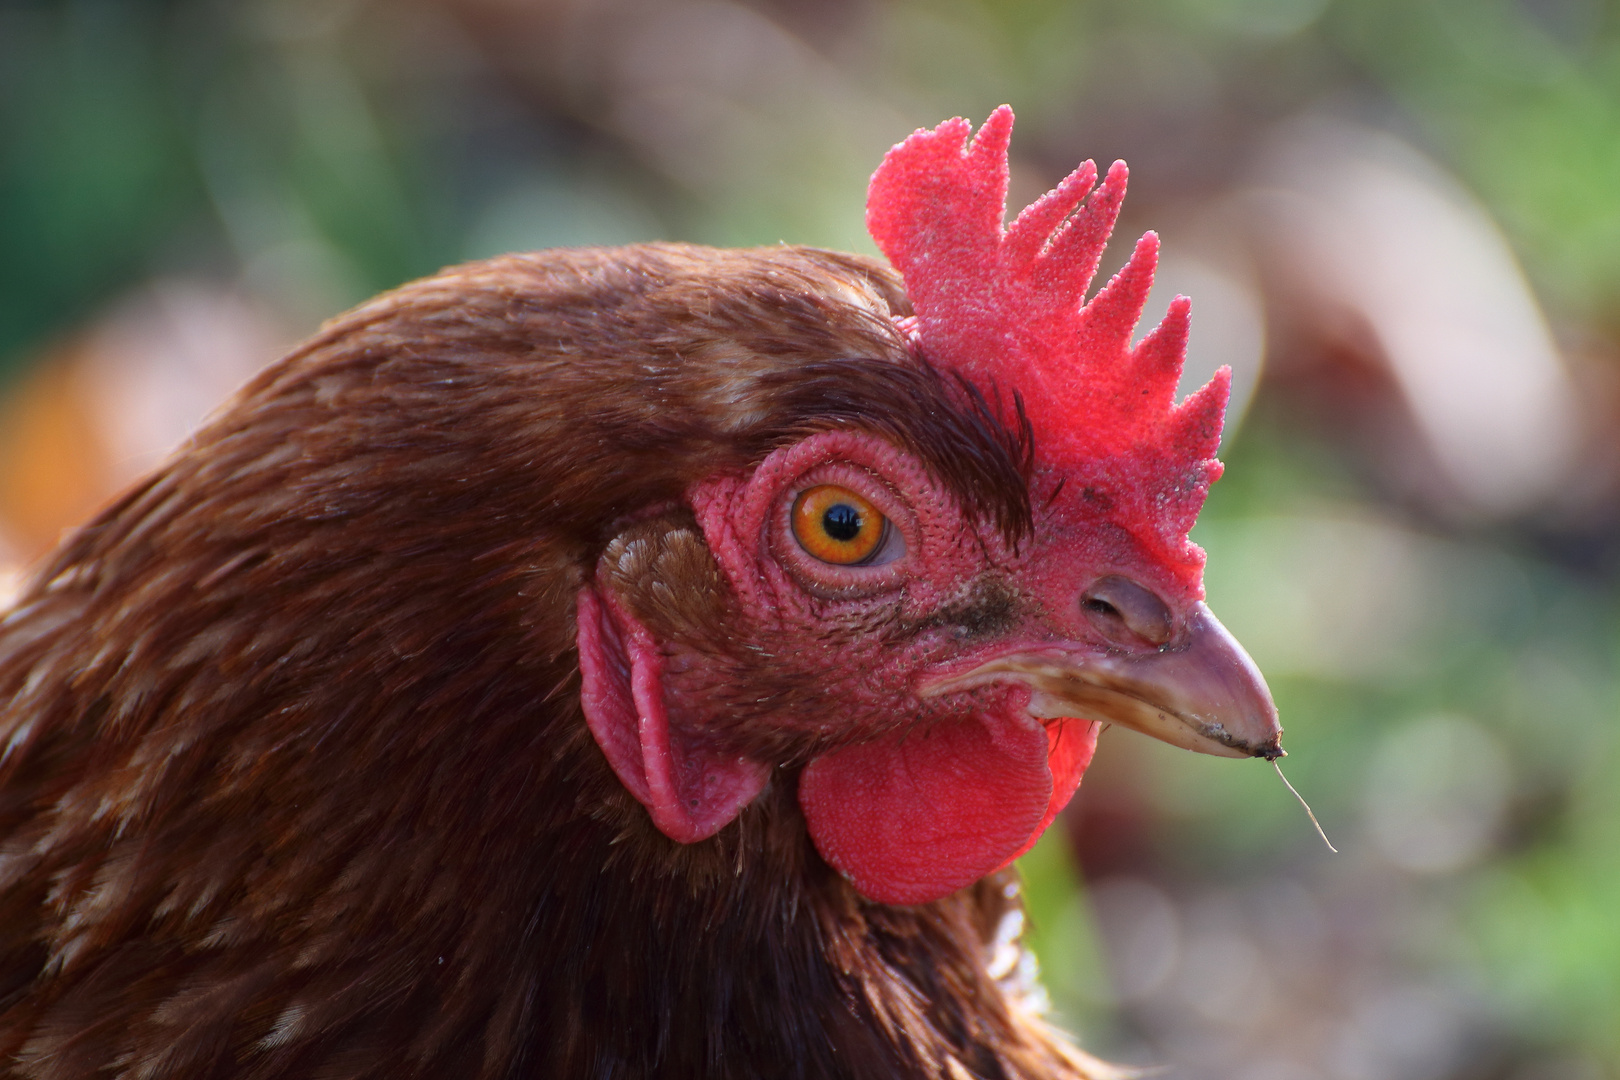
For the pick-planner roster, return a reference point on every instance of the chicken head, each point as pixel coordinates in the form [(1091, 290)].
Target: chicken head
[(930, 650)]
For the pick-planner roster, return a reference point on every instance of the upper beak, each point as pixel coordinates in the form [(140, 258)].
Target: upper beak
[(1200, 692)]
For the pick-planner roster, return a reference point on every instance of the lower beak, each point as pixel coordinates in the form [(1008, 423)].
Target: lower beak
[(1202, 692)]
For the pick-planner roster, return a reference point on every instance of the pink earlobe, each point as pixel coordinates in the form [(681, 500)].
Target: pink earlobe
[(604, 692), (692, 790)]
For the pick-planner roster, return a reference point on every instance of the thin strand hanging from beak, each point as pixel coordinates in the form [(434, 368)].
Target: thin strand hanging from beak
[(1275, 764)]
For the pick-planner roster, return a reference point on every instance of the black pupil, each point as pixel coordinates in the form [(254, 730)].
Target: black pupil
[(842, 522)]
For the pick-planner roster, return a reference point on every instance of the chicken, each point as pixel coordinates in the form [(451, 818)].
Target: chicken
[(620, 663)]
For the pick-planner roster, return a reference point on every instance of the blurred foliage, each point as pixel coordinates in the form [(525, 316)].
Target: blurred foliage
[(97, 169), (319, 152), (143, 138), (1524, 99)]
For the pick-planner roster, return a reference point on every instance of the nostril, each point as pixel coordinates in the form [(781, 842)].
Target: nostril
[(1127, 613), (1098, 606)]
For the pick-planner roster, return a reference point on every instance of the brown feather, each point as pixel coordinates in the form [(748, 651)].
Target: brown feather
[(293, 776)]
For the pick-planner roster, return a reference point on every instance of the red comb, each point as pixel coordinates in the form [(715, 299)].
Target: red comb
[(1005, 307)]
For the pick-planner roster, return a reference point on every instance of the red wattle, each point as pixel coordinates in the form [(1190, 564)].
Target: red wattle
[(919, 815), (1070, 744)]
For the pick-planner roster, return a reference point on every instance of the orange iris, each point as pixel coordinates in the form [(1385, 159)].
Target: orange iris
[(837, 526)]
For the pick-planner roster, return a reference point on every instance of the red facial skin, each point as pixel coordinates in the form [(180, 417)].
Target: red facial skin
[(910, 796)]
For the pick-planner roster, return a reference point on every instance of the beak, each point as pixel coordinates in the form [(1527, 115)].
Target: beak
[(1201, 692)]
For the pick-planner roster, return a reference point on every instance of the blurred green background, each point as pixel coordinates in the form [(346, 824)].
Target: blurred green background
[(1399, 221)]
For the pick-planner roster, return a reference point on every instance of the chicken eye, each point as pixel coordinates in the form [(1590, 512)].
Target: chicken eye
[(837, 526)]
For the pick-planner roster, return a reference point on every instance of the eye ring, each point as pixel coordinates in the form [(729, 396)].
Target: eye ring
[(834, 525)]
